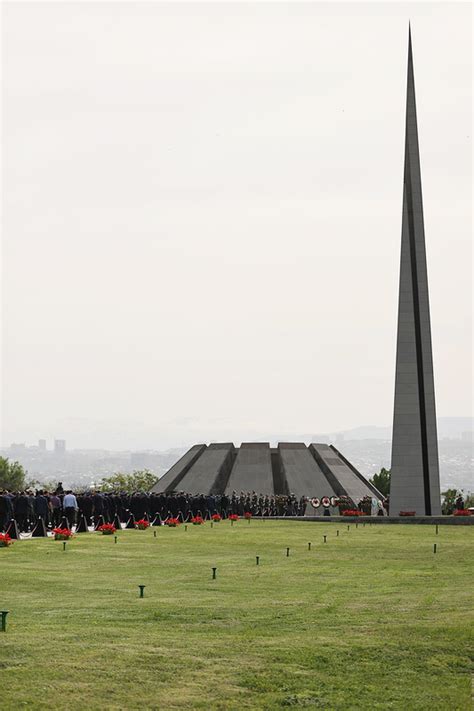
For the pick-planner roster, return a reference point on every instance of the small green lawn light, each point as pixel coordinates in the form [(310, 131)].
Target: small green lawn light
[(142, 588), (3, 621)]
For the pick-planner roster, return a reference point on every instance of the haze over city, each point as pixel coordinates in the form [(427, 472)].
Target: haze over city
[(201, 239)]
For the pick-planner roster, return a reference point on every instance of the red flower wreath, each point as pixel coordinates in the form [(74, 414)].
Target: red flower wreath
[(107, 529), (142, 524), (5, 540)]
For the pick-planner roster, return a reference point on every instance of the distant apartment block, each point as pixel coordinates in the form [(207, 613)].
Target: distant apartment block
[(17, 447), (59, 446), (42, 445)]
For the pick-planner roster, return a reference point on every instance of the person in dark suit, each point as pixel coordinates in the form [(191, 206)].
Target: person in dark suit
[(41, 507), (97, 505), (136, 506), (224, 505), (6, 510), (21, 509), (109, 509), (56, 508)]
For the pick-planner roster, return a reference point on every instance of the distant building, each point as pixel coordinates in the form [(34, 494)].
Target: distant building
[(42, 444), (16, 447), (59, 446), (467, 436)]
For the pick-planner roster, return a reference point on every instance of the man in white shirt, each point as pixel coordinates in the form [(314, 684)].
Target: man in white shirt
[(70, 507)]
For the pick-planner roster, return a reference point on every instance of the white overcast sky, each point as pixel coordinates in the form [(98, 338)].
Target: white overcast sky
[(202, 214)]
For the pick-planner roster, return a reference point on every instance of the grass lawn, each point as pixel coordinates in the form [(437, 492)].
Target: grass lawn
[(370, 620)]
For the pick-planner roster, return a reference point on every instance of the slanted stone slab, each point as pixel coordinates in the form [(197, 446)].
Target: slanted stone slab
[(303, 474), (252, 469), (341, 477), (172, 479), (210, 473)]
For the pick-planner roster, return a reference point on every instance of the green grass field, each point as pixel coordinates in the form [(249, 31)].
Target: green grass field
[(370, 620)]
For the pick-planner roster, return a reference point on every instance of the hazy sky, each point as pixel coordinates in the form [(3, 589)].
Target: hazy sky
[(202, 215)]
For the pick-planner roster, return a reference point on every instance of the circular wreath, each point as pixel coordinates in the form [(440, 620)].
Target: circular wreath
[(326, 502), (315, 503), (334, 500)]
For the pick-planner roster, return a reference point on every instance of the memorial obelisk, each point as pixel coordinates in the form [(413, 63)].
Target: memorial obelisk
[(415, 467)]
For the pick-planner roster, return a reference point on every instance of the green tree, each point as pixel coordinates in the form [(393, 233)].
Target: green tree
[(449, 501), (382, 481), (142, 480), (469, 501), (12, 475)]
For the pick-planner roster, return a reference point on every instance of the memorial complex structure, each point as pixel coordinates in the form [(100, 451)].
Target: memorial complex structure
[(290, 468), (321, 470)]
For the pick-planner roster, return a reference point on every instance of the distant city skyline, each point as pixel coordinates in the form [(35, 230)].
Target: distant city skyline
[(141, 440)]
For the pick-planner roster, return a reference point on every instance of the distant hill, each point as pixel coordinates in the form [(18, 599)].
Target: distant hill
[(452, 427), (448, 427)]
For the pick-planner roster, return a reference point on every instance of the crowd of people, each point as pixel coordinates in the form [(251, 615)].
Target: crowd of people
[(27, 507)]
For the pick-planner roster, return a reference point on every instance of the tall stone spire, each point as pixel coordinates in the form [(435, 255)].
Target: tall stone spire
[(415, 468)]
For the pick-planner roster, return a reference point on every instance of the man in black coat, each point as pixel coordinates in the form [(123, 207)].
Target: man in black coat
[(86, 506), (224, 505), (109, 509), (21, 509), (41, 507), (6, 510), (56, 509), (98, 505)]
